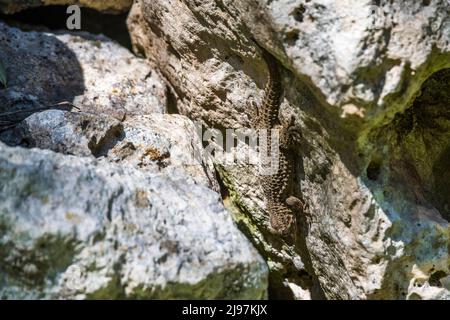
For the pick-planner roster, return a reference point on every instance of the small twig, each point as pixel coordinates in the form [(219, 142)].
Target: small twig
[(22, 111), (5, 114), (62, 103), (12, 124), (7, 122), (8, 127)]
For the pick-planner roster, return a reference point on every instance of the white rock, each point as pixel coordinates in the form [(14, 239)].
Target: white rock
[(367, 85), (81, 228)]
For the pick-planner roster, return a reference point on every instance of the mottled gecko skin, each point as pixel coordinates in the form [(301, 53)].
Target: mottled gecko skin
[(278, 188)]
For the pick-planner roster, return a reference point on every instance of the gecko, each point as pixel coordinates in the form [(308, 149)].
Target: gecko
[(281, 205)]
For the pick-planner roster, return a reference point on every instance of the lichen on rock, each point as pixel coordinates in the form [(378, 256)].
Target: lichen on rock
[(355, 75), (103, 196), (366, 83)]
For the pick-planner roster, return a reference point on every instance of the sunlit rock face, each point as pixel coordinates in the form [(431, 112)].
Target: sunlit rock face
[(368, 86), (103, 195)]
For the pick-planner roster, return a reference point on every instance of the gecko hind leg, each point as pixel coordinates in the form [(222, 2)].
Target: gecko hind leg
[(253, 112), (290, 133)]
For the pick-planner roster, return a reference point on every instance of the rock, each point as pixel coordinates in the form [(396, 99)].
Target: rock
[(165, 143), (79, 228), (156, 142), (366, 85), (119, 205), (81, 134), (90, 73), (12, 6), (364, 54)]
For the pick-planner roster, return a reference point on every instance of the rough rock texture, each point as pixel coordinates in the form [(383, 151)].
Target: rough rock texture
[(73, 227), (11, 6), (156, 142), (367, 84), (121, 204), (91, 72)]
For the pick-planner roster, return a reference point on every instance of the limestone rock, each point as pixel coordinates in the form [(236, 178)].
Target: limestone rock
[(80, 228), (156, 142), (81, 134), (76, 72), (119, 204), (367, 85)]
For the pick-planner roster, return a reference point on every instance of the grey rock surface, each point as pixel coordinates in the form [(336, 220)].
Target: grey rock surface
[(366, 84), (153, 143), (92, 73), (66, 132), (121, 203), (79, 228)]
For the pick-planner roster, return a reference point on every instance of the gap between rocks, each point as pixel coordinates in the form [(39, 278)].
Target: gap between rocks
[(54, 18)]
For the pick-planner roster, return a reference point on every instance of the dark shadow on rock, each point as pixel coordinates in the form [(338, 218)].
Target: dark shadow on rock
[(396, 171), (419, 142), (42, 72), (55, 17)]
